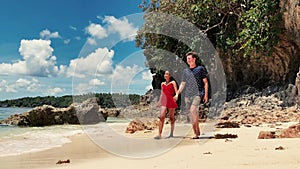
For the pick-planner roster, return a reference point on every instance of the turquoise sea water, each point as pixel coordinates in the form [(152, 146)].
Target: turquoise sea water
[(18, 140), (7, 111)]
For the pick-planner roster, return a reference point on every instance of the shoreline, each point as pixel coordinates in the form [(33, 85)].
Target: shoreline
[(246, 151)]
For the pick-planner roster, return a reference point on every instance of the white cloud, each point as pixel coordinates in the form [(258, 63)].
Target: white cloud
[(78, 38), (73, 28), (3, 86), (46, 34), (30, 85), (125, 75), (91, 41), (147, 75), (123, 27), (126, 30), (96, 30), (83, 88), (95, 64), (37, 60), (19, 85), (54, 91), (67, 41), (96, 82)]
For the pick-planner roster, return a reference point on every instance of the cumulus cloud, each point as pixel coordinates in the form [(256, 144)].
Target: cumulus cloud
[(96, 82), (37, 60), (25, 85), (3, 86), (147, 75), (96, 31), (46, 34), (123, 27), (54, 91), (21, 84), (95, 64), (89, 86), (91, 41), (30, 85), (125, 75)]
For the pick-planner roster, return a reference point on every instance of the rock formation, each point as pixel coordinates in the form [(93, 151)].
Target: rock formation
[(297, 84), (279, 68), (77, 113), (88, 112), (141, 125)]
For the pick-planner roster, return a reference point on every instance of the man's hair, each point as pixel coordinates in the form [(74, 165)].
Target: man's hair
[(194, 54)]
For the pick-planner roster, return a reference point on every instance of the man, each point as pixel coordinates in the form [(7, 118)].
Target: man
[(194, 80)]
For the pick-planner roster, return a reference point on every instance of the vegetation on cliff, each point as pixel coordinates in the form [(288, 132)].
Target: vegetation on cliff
[(250, 36), (104, 100), (246, 27)]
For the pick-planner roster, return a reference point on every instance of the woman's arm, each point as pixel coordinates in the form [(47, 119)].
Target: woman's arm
[(160, 97), (175, 86)]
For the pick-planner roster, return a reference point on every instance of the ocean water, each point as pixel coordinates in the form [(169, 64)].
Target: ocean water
[(19, 140)]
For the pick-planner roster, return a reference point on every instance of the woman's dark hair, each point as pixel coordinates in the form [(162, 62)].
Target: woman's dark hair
[(172, 78)]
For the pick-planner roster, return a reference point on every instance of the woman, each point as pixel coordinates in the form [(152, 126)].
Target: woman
[(167, 102)]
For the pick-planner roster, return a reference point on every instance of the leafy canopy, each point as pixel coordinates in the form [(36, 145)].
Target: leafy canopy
[(247, 28)]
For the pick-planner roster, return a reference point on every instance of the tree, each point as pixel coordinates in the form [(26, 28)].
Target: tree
[(243, 28), (240, 30)]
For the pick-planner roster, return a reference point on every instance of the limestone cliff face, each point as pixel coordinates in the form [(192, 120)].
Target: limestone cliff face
[(278, 69)]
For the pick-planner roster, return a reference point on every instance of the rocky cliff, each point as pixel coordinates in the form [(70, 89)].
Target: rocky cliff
[(278, 69)]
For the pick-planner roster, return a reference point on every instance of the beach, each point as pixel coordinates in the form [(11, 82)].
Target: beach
[(246, 151)]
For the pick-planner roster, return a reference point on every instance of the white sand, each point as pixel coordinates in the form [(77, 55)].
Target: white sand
[(244, 152)]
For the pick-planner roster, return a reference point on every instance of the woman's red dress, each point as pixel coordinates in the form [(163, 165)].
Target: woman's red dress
[(167, 96)]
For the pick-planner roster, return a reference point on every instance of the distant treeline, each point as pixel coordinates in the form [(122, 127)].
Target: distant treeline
[(104, 100)]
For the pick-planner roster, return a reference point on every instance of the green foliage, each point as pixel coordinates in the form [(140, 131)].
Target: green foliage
[(260, 27), (248, 28), (104, 100)]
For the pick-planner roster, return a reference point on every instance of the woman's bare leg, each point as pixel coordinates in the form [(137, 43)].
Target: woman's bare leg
[(172, 120), (162, 117)]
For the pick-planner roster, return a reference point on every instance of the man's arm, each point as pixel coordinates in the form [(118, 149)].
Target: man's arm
[(181, 87), (205, 81)]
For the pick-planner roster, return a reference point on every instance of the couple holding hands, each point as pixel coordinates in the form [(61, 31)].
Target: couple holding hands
[(195, 83)]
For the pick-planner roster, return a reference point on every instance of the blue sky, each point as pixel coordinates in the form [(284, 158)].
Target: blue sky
[(63, 47)]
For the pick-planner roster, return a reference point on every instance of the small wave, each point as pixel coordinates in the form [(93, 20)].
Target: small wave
[(33, 139)]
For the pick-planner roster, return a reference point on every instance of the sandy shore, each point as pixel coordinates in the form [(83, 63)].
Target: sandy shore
[(246, 151)]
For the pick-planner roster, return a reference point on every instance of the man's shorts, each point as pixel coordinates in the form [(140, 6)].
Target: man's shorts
[(194, 100)]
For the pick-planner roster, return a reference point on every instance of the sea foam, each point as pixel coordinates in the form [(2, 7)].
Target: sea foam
[(16, 140)]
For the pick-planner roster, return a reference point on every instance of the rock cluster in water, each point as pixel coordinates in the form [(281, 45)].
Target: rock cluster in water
[(87, 112)]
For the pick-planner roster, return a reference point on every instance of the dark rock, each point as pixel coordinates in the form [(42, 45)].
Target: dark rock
[(77, 113), (88, 112), (224, 136), (267, 135), (141, 125), (228, 124)]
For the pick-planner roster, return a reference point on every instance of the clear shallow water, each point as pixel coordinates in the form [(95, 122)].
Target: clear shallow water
[(18, 140), (7, 111)]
